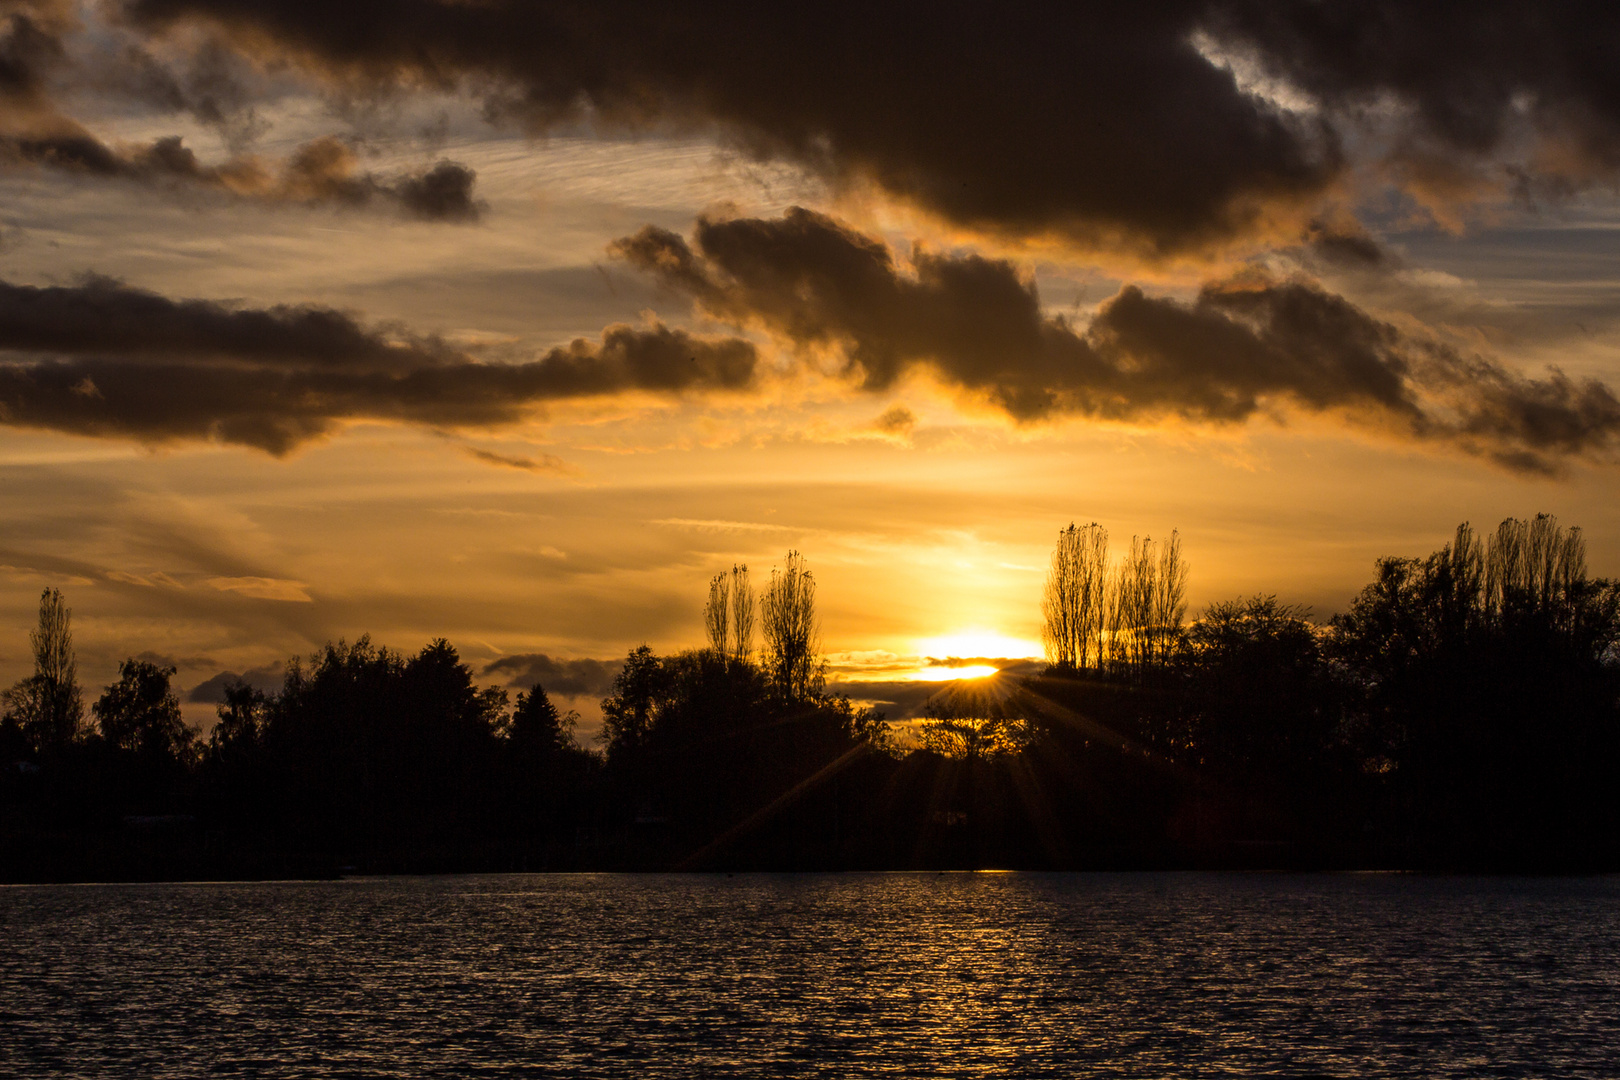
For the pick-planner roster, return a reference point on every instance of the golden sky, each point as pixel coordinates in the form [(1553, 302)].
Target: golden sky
[(514, 323)]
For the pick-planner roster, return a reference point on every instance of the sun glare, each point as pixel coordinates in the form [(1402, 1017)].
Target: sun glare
[(978, 642), (946, 674)]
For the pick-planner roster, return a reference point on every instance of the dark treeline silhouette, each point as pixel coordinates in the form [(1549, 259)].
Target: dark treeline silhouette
[(1463, 713)]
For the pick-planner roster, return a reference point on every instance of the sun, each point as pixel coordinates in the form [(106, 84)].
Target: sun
[(950, 674), (978, 642)]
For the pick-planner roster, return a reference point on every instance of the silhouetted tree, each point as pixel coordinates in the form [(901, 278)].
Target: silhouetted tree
[(47, 707), (972, 738), (729, 615), (717, 615), (1485, 688), (792, 631), (140, 714), (240, 724), (627, 713), (537, 729), (447, 708), (1262, 708), (1145, 602), (1169, 605), (1465, 710), (744, 614), (1132, 606), (375, 752), (1075, 600)]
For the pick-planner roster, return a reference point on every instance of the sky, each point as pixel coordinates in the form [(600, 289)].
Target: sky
[(513, 323)]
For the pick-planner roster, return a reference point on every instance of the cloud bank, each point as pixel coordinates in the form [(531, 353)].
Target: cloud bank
[(103, 359), (1161, 127), (1243, 346), (565, 678)]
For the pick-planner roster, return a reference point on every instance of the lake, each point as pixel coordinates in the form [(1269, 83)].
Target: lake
[(603, 975)]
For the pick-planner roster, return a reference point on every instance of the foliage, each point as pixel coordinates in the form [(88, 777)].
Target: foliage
[(730, 615), (1126, 617), (47, 707), (241, 722), (1075, 601), (1484, 684), (973, 738), (792, 631), (627, 713), (139, 714), (536, 727), (1463, 711), (1262, 704)]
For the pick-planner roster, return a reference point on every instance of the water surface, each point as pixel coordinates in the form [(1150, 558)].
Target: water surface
[(1061, 975)]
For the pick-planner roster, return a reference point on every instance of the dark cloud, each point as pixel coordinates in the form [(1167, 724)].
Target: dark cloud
[(29, 52), (908, 699), (33, 132), (1463, 76), (213, 84), (1349, 248), (106, 360), (322, 172), (897, 700), (212, 691), (898, 420), (564, 678), (1240, 347), (442, 193), (1103, 122), (1091, 121), (100, 315), (327, 171)]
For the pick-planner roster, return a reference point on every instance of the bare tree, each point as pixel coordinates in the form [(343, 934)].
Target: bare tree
[(717, 614), (1145, 605), (1060, 602), (1135, 582), (1074, 601), (743, 614), (1532, 566), (729, 615), (792, 632), (1169, 599), (48, 706)]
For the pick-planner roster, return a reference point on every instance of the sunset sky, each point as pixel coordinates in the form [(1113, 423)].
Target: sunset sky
[(513, 323)]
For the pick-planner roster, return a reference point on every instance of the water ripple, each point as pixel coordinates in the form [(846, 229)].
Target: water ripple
[(1025, 975)]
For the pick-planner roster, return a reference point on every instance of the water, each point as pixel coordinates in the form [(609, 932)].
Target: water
[(1061, 975)]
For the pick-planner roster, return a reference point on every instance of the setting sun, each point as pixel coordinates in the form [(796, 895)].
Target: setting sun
[(946, 674), (978, 642)]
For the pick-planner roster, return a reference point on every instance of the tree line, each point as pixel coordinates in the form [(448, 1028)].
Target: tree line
[(1463, 711)]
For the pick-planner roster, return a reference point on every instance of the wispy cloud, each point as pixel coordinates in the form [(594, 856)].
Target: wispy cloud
[(712, 525), (149, 581), (264, 588), (545, 463)]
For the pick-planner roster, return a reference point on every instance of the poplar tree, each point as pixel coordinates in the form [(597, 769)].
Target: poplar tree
[(729, 615), (1075, 601), (792, 632), (48, 706)]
